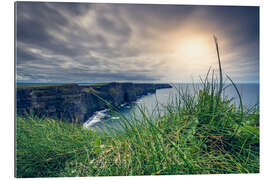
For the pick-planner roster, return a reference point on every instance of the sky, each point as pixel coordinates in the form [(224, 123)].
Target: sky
[(87, 42)]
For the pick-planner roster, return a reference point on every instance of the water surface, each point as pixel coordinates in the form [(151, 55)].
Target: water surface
[(154, 104)]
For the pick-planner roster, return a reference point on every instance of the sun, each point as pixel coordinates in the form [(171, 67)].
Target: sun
[(193, 48), (193, 53)]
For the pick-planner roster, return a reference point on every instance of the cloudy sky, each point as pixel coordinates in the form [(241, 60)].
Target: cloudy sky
[(81, 42)]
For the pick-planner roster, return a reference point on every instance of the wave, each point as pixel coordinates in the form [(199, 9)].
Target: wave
[(96, 118)]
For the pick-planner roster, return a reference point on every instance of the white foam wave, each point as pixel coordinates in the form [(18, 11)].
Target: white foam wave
[(95, 118), (122, 105), (116, 117)]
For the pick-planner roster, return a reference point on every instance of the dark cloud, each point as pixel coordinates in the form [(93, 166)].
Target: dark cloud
[(113, 27), (75, 42), (35, 20), (82, 75), (75, 9), (24, 56), (246, 18)]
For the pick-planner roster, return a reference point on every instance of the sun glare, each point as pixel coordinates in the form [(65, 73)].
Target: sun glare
[(191, 48), (193, 54)]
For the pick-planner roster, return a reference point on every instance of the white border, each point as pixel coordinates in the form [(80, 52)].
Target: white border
[(7, 85)]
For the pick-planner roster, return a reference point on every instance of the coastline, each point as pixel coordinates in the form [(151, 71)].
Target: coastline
[(75, 103)]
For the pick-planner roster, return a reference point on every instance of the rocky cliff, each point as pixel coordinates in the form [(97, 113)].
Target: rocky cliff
[(74, 103)]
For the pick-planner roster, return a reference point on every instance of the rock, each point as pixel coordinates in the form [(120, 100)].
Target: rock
[(74, 103)]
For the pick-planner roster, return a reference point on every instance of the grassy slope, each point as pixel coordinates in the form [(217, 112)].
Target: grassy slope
[(199, 134), (24, 86), (189, 139)]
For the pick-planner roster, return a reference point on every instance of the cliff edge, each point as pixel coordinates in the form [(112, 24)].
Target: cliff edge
[(76, 103)]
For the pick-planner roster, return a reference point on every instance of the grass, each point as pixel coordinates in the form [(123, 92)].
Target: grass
[(200, 133), (24, 86)]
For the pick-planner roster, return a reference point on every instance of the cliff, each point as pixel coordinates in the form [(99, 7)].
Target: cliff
[(74, 103)]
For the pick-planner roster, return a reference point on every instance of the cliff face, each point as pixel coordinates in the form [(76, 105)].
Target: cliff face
[(74, 103)]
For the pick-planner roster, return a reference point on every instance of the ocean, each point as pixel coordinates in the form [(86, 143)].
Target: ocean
[(156, 103)]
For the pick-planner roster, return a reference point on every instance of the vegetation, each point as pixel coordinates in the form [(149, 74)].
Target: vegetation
[(200, 133), (24, 86)]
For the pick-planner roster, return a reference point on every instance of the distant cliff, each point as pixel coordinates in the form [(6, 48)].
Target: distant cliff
[(74, 103)]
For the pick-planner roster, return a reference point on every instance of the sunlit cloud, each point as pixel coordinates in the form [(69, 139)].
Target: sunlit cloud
[(79, 42)]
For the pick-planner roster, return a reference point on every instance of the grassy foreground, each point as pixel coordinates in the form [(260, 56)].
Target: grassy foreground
[(202, 133), (197, 135)]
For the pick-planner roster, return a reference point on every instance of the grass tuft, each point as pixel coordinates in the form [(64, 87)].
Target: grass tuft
[(199, 133)]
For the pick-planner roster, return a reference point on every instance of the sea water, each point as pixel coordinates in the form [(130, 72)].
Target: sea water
[(154, 104)]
